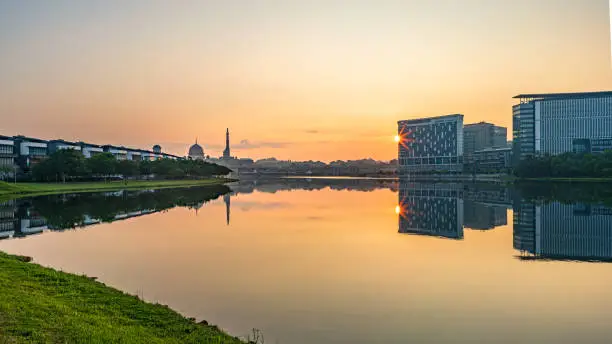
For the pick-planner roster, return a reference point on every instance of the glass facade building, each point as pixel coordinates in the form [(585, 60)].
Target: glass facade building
[(431, 144), (562, 122)]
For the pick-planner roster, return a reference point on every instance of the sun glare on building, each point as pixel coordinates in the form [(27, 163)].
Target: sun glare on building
[(398, 209), (397, 138)]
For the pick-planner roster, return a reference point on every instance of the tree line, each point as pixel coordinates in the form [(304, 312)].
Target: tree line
[(567, 165), (68, 164)]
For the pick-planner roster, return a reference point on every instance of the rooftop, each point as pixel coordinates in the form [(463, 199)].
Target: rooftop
[(89, 144), (428, 119), (494, 149), (30, 139), (552, 96), (64, 142)]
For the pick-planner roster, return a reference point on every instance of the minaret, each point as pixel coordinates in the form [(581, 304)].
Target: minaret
[(226, 151)]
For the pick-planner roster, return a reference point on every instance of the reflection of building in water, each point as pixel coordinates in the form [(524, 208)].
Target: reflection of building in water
[(227, 200), (561, 231), (25, 217), (431, 209), (483, 216), (30, 222), (8, 221)]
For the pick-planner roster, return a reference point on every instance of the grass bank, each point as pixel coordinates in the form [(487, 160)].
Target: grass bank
[(9, 190), (42, 305)]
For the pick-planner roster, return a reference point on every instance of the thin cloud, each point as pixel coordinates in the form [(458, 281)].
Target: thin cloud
[(246, 144)]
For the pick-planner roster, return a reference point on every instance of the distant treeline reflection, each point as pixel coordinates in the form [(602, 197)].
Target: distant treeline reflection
[(67, 211)]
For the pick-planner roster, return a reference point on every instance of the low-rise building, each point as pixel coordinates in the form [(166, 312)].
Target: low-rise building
[(146, 155), (90, 149), (55, 145), (134, 154), (7, 153), (120, 153), (492, 160), (29, 151)]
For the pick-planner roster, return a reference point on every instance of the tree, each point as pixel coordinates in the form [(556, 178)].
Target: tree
[(102, 165), (127, 168), (62, 164)]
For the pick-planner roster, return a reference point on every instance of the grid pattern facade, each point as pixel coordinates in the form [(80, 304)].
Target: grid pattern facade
[(523, 130), (562, 121), (554, 125), (431, 144)]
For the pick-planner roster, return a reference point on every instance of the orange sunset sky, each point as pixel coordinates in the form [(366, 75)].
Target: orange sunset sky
[(298, 80)]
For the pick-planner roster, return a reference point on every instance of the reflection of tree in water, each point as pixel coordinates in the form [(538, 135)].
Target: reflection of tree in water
[(566, 193), (69, 211)]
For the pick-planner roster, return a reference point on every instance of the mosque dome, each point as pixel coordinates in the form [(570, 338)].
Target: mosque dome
[(157, 149), (196, 151)]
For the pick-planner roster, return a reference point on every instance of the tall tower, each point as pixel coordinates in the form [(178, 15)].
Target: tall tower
[(226, 151)]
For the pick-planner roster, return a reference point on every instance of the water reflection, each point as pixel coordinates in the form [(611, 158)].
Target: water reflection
[(321, 261), (23, 217), (544, 228), (431, 209), (556, 231)]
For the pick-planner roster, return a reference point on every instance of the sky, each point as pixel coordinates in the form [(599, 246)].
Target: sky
[(300, 80)]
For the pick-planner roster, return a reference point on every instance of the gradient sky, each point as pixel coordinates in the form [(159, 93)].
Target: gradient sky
[(321, 79)]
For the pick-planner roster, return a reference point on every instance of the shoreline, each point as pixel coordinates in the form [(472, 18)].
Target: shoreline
[(40, 304), (19, 190)]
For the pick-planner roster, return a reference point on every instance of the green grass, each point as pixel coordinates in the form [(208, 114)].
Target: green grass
[(42, 305), (9, 190)]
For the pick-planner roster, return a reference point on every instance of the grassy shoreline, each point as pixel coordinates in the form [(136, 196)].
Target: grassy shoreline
[(42, 305), (9, 190)]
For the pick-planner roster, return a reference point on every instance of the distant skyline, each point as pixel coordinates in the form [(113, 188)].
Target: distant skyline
[(300, 80)]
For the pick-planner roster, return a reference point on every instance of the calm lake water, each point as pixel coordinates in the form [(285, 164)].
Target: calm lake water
[(344, 261)]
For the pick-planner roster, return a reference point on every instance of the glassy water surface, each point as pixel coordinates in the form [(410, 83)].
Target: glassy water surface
[(344, 260)]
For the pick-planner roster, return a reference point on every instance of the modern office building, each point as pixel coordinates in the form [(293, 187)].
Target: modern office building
[(120, 153), (431, 209), (479, 136), (90, 149), (492, 160), (29, 151), (134, 154), (431, 144), (563, 231), (7, 152), (55, 145), (557, 123)]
